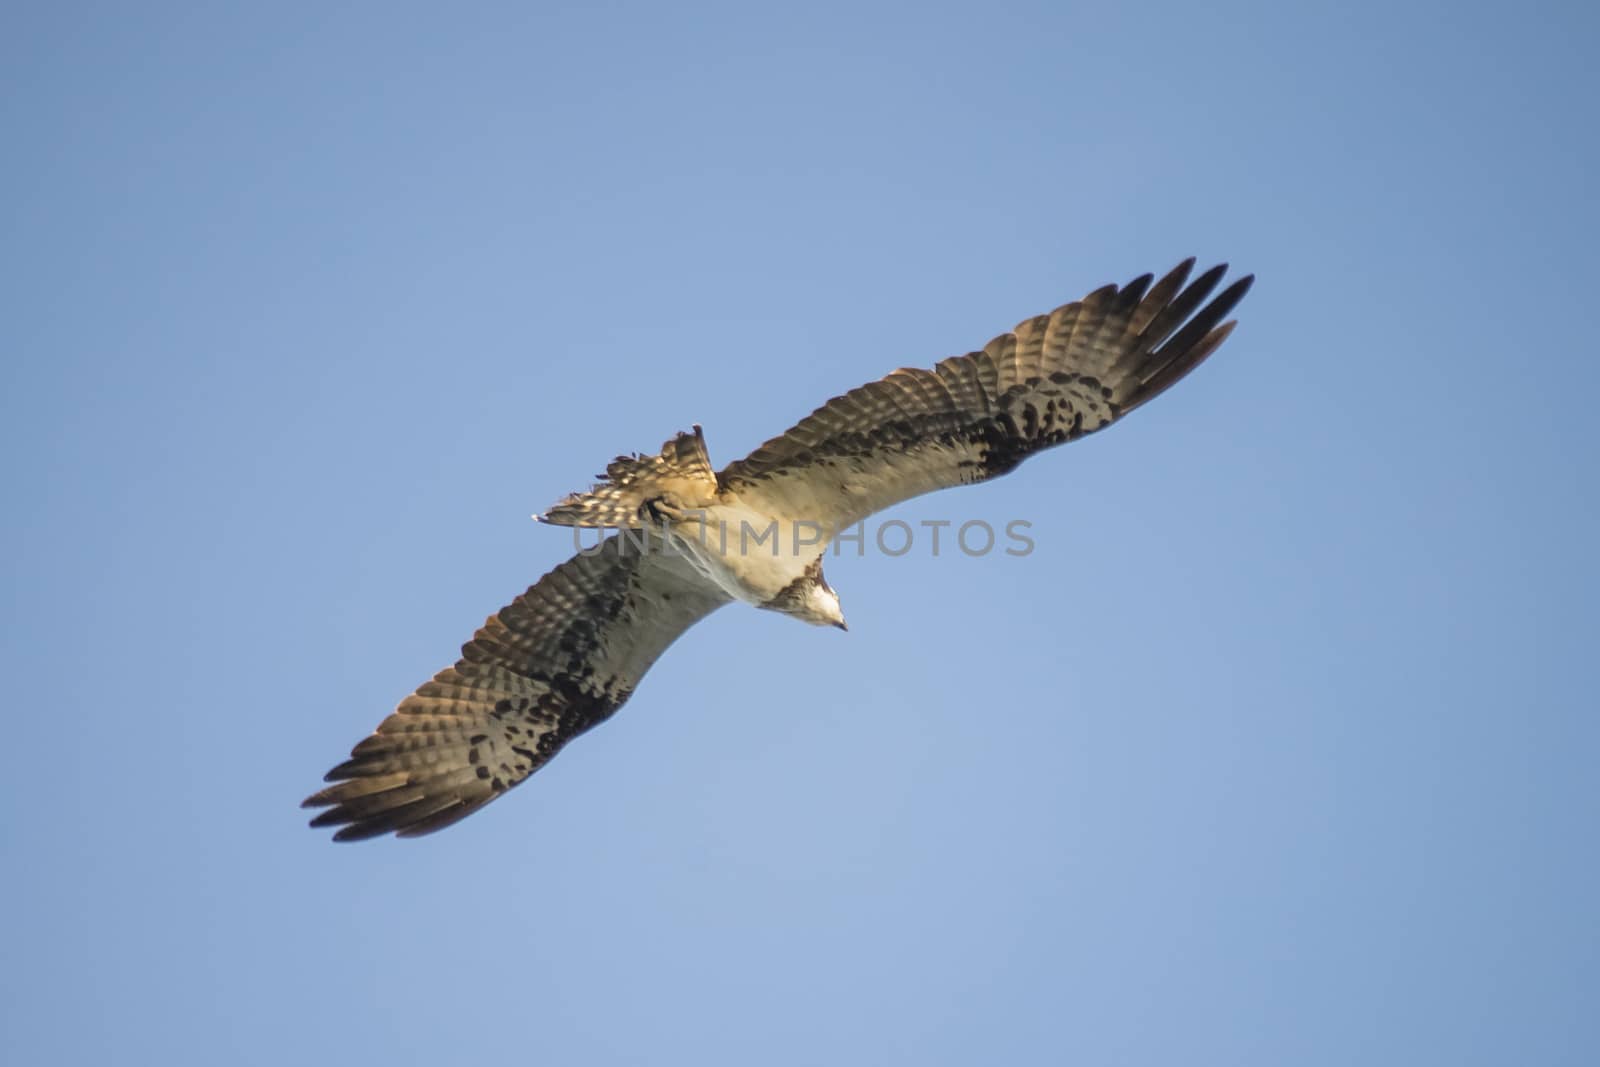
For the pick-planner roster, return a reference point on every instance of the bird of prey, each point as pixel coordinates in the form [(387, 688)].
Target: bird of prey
[(568, 653)]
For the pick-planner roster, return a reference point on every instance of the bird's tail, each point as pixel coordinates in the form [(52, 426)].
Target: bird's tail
[(679, 478)]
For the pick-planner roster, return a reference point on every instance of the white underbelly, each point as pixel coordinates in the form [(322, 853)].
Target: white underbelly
[(751, 556)]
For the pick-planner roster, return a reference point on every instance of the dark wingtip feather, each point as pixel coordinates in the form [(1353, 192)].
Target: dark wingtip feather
[(1201, 287), (1212, 314), (358, 832), (414, 818), (440, 819), (1197, 338), (1134, 291), (1197, 354)]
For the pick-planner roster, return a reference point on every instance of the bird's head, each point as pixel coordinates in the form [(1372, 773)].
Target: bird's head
[(809, 598), (821, 606)]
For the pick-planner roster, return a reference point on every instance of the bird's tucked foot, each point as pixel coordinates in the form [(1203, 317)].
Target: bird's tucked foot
[(663, 510)]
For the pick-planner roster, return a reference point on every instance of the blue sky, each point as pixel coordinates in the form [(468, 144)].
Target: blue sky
[(1279, 748)]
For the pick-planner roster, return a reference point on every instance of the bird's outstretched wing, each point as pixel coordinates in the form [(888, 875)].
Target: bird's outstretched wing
[(1054, 378), (559, 659)]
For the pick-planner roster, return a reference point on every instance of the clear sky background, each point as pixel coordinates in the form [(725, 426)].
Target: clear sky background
[(1279, 749)]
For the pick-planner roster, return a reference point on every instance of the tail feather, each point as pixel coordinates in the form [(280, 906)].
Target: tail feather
[(681, 475)]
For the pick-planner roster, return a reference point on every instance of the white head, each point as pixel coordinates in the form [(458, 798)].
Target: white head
[(821, 606), (810, 599)]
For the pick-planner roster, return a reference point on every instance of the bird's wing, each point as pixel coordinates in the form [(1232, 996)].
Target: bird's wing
[(1054, 378), (559, 659)]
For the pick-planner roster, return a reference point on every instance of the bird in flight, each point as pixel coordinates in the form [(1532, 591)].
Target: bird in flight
[(566, 654)]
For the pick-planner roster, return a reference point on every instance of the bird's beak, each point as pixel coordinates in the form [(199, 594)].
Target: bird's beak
[(840, 624)]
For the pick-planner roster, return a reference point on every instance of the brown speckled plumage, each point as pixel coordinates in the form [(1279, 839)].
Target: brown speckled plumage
[(1053, 379), (567, 653), (559, 659)]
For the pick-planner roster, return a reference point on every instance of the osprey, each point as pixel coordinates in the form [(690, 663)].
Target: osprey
[(567, 653)]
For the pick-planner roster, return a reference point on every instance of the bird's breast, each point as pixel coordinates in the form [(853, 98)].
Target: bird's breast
[(749, 554)]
